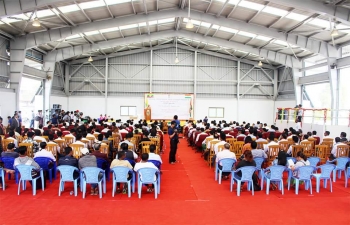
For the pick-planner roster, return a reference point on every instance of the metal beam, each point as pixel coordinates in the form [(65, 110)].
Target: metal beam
[(66, 53), (316, 46), (314, 79)]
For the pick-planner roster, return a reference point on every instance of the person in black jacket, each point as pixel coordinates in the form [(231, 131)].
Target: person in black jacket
[(69, 160)]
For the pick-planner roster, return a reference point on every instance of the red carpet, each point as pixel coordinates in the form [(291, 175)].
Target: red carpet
[(189, 195)]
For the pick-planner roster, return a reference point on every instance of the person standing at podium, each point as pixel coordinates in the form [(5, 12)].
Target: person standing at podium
[(174, 140)]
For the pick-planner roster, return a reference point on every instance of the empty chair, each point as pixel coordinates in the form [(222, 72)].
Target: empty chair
[(66, 175), (247, 174), (273, 174), (90, 175), (302, 173), (26, 175), (314, 161), (259, 161), (341, 164), (325, 175), (48, 165), (226, 166), (120, 175), (147, 176), (8, 164), (2, 175)]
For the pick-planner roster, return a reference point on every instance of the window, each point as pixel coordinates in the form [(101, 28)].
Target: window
[(128, 111), (216, 112)]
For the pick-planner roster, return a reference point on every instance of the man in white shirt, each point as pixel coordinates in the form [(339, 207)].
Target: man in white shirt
[(51, 141), (78, 141), (224, 154), (13, 137), (305, 138), (271, 142), (202, 133), (44, 153), (152, 155), (38, 136), (272, 129), (335, 147), (127, 140), (222, 141), (260, 138), (71, 135), (240, 134), (105, 130), (145, 164), (257, 152)]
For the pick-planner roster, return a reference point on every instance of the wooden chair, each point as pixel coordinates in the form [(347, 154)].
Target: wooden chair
[(212, 152), (212, 143), (91, 141), (238, 148), (29, 146), (86, 142), (328, 139), (76, 150), (260, 145), (145, 149), (116, 140), (5, 142), (284, 145), (157, 143), (107, 142), (273, 153), (165, 127), (208, 139), (329, 145), (220, 148), (313, 140), (296, 149), (104, 149), (69, 140), (61, 144), (231, 141), (46, 138), (307, 148), (321, 152), (96, 135), (53, 148), (147, 143), (138, 138), (20, 139), (342, 150)]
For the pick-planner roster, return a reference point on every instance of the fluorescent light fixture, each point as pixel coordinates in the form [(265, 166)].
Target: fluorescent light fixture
[(90, 59), (176, 60)]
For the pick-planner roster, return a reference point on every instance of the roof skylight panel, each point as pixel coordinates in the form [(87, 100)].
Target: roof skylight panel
[(109, 30), (215, 26), (153, 22), (204, 24), (168, 20), (263, 38), (251, 5), (11, 20), (91, 33), (69, 8), (45, 12), (228, 30), (114, 2), (195, 22), (247, 34), (93, 4), (73, 37), (275, 11), (296, 16), (279, 42), (128, 26), (143, 24)]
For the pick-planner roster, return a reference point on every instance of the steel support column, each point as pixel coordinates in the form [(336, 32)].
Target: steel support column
[(17, 57), (66, 79), (49, 67), (238, 83), (297, 87), (151, 71), (106, 85), (195, 83), (275, 84), (333, 81)]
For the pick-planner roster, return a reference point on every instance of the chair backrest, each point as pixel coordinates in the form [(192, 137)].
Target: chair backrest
[(247, 173), (29, 148), (51, 147), (276, 172), (307, 148), (120, 173), (43, 162), (91, 174), (260, 144), (20, 139), (66, 172), (320, 151), (76, 148), (69, 140), (147, 143), (259, 161), (342, 150), (61, 144), (273, 151), (6, 142), (156, 163), (8, 162), (238, 148), (116, 140), (208, 139), (104, 149), (147, 174), (328, 139), (46, 138), (213, 142), (25, 171), (145, 149), (231, 141), (341, 162), (305, 172), (314, 161), (220, 148), (284, 145), (296, 149), (227, 164), (326, 170)]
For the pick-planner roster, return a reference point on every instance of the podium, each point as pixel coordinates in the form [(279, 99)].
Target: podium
[(148, 113)]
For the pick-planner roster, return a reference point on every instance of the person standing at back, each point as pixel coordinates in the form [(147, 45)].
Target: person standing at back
[(174, 140)]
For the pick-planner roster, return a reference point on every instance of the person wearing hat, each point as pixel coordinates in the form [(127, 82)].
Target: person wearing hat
[(88, 160)]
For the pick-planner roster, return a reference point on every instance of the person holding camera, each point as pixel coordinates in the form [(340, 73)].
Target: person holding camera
[(174, 140)]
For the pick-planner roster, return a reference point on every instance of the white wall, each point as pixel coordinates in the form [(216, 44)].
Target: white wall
[(60, 100), (7, 103), (253, 110), (202, 105), (114, 103), (91, 106)]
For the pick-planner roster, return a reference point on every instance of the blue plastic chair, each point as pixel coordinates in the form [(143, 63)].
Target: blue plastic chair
[(259, 161), (8, 164), (304, 173), (146, 176), (100, 163), (26, 175), (313, 161), (44, 164), (247, 176), (325, 175), (273, 174), (227, 165), (341, 166), (120, 175), (2, 175), (156, 163), (89, 175), (347, 177), (66, 175)]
